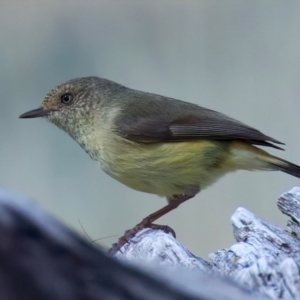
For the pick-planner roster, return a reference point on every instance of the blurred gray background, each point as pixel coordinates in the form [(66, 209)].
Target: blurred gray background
[(238, 57)]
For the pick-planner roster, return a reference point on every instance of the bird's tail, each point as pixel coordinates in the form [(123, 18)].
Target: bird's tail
[(280, 164)]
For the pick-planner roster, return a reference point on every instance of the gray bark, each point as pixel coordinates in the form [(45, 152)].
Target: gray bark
[(40, 258), (265, 259)]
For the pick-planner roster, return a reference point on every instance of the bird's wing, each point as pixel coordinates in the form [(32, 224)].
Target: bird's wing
[(163, 122)]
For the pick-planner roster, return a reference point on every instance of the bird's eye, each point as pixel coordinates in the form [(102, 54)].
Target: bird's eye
[(66, 99)]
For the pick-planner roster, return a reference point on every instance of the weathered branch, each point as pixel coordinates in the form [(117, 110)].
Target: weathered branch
[(42, 259), (265, 260)]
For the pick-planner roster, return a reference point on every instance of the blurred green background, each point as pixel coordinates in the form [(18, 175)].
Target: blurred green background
[(238, 57)]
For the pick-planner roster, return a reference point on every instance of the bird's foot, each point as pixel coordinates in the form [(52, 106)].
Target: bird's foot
[(148, 222), (129, 234), (164, 228)]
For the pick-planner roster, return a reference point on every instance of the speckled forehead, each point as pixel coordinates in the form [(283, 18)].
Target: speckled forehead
[(54, 93)]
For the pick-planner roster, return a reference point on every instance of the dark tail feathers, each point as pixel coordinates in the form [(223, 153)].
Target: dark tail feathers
[(284, 166)]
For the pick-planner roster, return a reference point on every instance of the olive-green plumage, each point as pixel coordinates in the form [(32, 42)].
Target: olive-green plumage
[(153, 143)]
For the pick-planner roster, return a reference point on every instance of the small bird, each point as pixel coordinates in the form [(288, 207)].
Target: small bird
[(156, 144)]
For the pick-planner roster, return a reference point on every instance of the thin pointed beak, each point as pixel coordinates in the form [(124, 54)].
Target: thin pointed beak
[(35, 113)]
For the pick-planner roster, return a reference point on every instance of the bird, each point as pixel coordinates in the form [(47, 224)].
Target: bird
[(156, 144)]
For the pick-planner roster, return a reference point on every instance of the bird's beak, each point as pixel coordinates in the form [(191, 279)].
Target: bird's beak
[(35, 113)]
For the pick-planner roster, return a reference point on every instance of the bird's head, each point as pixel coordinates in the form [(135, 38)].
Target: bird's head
[(72, 106)]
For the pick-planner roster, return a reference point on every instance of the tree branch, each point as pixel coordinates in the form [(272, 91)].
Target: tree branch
[(265, 259), (40, 258)]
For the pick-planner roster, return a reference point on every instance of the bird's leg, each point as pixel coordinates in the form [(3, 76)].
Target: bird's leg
[(148, 222)]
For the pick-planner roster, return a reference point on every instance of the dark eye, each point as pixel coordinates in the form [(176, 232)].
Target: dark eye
[(67, 99)]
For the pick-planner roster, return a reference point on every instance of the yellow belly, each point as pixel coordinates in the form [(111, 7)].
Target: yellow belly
[(166, 169)]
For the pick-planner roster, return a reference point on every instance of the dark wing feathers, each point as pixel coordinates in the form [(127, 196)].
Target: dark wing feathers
[(150, 120), (221, 130), (145, 130)]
